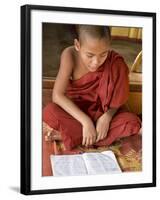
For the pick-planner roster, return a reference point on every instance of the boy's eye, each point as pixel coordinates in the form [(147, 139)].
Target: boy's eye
[(89, 56), (103, 55)]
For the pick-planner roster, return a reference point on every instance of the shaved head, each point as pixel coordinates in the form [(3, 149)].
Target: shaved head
[(93, 31)]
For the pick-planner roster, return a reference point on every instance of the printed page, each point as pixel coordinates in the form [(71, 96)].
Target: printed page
[(101, 163), (68, 165)]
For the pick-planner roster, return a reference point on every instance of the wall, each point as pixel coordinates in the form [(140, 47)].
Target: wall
[(131, 33), (56, 37)]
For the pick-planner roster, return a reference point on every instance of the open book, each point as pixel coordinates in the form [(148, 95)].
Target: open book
[(83, 164)]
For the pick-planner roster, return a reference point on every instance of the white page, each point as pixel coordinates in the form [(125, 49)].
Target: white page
[(101, 163), (68, 165)]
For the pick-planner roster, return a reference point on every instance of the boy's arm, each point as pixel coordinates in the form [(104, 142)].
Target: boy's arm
[(111, 112), (103, 122), (58, 96)]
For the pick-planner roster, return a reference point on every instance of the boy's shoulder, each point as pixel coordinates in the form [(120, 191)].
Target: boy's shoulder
[(68, 56), (117, 61), (69, 51), (113, 55)]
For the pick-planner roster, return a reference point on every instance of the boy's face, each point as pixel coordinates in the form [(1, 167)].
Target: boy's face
[(93, 52)]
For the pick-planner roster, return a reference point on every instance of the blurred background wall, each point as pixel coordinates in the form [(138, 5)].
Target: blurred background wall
[(125, 40)]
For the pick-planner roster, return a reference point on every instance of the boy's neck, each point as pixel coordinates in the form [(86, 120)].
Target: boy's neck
[(80, 63)]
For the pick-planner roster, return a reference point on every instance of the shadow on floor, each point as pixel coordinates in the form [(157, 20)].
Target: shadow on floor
[(15, 189)]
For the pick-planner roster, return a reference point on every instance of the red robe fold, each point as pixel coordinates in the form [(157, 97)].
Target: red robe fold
[(95, 93)]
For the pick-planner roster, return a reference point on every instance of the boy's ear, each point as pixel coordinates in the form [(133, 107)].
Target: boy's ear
[(76, 45)]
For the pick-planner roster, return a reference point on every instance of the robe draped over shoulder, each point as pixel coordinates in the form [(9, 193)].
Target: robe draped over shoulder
[(108, 87), (95, 93)]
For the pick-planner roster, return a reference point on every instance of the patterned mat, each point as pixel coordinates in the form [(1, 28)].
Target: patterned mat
[(128, 151)]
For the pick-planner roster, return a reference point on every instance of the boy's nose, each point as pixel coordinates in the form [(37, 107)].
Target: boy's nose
[(95, 61)]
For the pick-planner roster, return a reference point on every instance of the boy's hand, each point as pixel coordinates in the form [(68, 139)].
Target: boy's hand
[(89, 133), (102, 126)]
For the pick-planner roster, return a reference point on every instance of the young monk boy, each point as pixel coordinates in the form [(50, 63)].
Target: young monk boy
[(90, 91)]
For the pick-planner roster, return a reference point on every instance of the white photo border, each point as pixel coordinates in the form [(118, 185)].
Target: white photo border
[(32, 180)]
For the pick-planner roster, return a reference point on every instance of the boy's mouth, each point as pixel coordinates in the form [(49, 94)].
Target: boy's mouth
[(93, 68)]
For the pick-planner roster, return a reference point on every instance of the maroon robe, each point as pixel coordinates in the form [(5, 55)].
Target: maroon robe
[(95, 93)]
